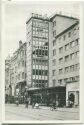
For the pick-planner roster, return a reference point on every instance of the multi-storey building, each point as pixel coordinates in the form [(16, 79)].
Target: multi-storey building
[(7, 77), (64, 54), (48, 63), (37, 51), (18, 70)]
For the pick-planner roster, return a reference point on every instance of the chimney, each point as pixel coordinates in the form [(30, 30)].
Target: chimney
[(20, 43)]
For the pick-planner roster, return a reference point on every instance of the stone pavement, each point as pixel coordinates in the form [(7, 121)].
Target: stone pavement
[(44, 113)]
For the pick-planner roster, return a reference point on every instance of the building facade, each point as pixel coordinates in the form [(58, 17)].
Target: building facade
[(64, 55), (37, 51), (17, 71), (47, 65), (7, 77)]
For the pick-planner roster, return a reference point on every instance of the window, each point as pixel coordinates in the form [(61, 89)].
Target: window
[(23, 63), (43, 52), (33, 72), (67, 46), (46, 53), (18, 76), (77, 78), (72, 79), (54, 33), (36, 72), (66, 58), (60, 71), (33, 61), (23, 75), (72, 44), (39, 72), (54, 23), (72, 68), (76, 66), (46, 72), (60, 49), (54, 52), (54, 62), (39, 52), (54, 83), (77, 42), (61, 60), (53, 72), (74, 31), (54, 42), (64, 37), (77, 54), (43, 72), (66, 69), (59, 38), (72, 56), (69, 34), (60, 81)]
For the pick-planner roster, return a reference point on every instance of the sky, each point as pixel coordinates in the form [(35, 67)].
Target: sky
[(17, 13)]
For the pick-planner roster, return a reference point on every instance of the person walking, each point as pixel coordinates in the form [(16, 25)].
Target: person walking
[(27, 102)]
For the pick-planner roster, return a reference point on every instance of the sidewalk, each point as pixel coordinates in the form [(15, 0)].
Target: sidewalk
[(71, 110)]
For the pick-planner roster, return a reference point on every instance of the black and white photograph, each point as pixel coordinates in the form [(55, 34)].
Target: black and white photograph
[(42, 60)]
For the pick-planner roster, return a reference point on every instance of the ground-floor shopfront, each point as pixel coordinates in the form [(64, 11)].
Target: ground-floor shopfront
[(72, 94), (48, 95), (20, 91)]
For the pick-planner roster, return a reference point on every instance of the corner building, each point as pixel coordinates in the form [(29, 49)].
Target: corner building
[(37, 51), (64, 56)]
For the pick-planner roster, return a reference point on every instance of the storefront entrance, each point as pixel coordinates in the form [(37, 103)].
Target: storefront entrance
[(48, 95)]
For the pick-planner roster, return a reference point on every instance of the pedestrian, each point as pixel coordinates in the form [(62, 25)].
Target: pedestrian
[(33, 104), (54, 105), (27, 102)]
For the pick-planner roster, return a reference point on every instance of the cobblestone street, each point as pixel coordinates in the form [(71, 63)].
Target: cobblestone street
[(44, 113)]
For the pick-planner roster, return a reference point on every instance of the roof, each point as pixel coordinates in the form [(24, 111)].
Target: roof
[(36, 18), (72, 26), (70, 17)]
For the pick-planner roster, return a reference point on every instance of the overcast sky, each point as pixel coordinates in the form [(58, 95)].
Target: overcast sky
[(16, 15)]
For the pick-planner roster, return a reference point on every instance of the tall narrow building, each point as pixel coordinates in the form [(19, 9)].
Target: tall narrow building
[(37, 51)]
